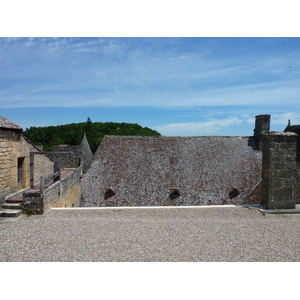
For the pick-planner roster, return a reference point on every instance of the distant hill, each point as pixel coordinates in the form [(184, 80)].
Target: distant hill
[(72, 134)]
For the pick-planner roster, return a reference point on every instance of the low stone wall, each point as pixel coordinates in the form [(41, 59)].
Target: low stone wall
[(63, 193)]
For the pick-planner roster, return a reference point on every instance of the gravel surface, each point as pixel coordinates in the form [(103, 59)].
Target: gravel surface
[(152, 234)]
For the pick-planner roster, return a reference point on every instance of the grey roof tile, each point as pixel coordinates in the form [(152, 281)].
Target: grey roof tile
[(144, 171), (7, 124)]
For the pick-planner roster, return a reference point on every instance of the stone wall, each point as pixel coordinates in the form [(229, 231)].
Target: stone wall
[(75, 154), (279, 170), (15, 163), (71, 159), (298, 183), (63, 193)]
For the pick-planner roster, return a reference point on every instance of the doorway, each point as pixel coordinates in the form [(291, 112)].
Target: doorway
[(20, 172)]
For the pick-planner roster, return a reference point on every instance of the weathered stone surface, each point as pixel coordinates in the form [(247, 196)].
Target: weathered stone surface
[(262, 124), (33, 203), (63, 193), (10, 213), (74, 155), (279, 170), (15, 171), (11, 205), (16, 148)]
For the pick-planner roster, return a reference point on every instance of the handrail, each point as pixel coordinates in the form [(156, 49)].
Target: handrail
[(44, 180)]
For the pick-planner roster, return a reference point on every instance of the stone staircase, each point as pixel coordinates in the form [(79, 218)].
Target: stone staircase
[(11, 208)]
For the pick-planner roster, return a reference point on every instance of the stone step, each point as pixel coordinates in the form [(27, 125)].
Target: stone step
[(17, 199), (11, 205), (11, 213)]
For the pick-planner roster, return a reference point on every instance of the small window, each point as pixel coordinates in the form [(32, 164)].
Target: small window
[(233, 193), (108, 194), (175, 194)]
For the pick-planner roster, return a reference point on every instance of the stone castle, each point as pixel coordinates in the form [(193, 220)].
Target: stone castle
[(152, 171)]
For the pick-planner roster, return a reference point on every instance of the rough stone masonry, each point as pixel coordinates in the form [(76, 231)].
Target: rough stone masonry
[(279, 170)]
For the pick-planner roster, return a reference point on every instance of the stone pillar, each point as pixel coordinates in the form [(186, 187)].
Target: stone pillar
[(278, 170), (262, 124)]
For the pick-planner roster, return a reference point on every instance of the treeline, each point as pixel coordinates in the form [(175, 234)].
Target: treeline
[(72, 134)]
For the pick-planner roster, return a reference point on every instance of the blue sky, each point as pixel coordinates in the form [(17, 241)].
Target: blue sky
[(177, 86)]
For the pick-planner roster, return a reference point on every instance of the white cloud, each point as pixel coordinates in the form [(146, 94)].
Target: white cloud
[(151, 72), (282, 119), (141, 95), (35, 91), (204, 128)]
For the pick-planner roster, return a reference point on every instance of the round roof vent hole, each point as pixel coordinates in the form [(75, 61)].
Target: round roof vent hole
[(108, 194), (234, 193), (175, 194)]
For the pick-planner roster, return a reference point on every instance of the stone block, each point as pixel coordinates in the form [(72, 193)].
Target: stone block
[(13, 171), (33, 203)]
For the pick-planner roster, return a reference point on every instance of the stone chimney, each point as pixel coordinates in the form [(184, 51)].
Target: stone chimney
[(262, 124), (279, 170)]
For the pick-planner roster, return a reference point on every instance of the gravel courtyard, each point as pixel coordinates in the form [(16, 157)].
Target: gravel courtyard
[(182, 234)]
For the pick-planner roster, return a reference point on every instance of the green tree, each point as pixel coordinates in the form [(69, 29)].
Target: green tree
[(72, 134)]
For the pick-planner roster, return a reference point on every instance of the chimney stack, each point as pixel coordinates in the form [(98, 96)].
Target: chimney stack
[(262, 124)]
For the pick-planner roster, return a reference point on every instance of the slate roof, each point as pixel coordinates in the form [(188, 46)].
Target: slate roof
[(7, 124), (150, 171), (293, 128)]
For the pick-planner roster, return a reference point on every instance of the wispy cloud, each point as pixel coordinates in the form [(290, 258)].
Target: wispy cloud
[(133, 95), (282, 119), (198, 128), (35, 91), (278, 118), (234, 78)]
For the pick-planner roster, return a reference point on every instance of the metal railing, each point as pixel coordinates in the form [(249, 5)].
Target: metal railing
[(44, 180)]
